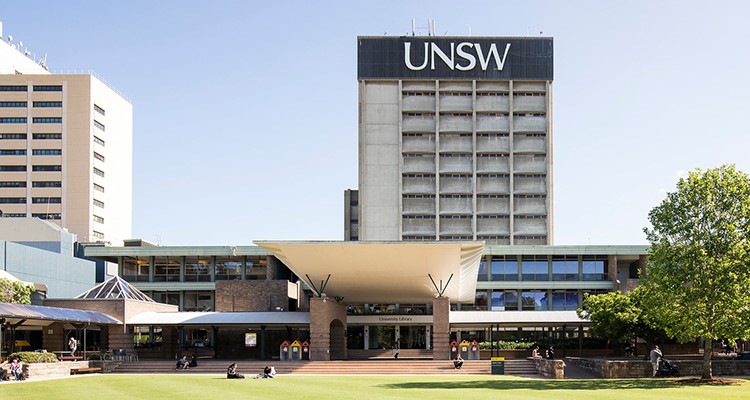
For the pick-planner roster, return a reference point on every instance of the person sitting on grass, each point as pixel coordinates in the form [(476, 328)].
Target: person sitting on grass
[(232, 372)]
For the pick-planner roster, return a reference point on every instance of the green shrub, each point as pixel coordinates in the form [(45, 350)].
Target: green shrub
[(503, 345), (34, 357), (99, 356)]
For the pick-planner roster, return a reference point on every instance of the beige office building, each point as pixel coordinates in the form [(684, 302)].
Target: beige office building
[(455, 140), (65, 149)]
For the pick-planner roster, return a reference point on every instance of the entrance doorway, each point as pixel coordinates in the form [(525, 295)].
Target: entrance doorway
[(413, 337)]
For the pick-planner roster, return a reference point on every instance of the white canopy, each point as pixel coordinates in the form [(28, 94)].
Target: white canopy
[(220, 318), (516, 318), (384, 272)]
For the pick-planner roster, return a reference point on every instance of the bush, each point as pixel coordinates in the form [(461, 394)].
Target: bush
[(34, 357), (99, 356), (503, 345)]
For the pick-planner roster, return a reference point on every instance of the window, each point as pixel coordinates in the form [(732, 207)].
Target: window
[(47, 136), (12, 88), (172, 298), (12, 184), (99, 156), (564, 300), (99, 125), (534, 268), (198, 269), (136, 269), (534, 300), (594, 268), (12, 152), (46, 200), (504, 269), (13, 104), (14, 215), (48, 216), (228, 268), (97, 235), (98, 141), (46, 152), (198, 301), (12, 168), (99, 188), (12, 136), (504, 300), (99, 203), (255, 268), (98, 219), (12, 120), (98, 172), (46, 168), (12, 200), (47, 120), (99, 110), (48, 104), (46, 184), (483, 271), (480, 300), (47, 88), (166, 269), (565, 268)]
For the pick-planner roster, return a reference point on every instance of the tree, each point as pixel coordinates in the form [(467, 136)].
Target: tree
[(697, 283), (613, 315), (15, 291)]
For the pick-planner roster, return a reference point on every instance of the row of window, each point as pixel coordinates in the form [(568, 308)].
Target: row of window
[(479, 175), (35, 168), (23, 136), (39, 152), (193, 268), (469, 93), (55, 216), (479, 134), (24, 104), (36, 88), (469, 216), (34, 200), (36, 184), (36, 120), (544, 268), (529, 300), (431, 114)]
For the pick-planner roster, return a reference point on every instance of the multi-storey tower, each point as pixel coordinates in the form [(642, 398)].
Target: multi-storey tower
[(455, 139), (65, 149)]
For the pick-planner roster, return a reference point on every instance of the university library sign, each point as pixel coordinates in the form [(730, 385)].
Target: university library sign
[(389, 319), (433, 57)]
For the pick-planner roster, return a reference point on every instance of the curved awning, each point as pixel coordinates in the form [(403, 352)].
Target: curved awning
[(220, 318), (384, 272), (516, 318), (43, 316)]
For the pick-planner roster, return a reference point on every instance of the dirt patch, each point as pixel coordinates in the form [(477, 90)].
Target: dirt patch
[(708, 382)]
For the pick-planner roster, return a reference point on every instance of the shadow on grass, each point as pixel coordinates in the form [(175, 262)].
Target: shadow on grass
[(587, 384)]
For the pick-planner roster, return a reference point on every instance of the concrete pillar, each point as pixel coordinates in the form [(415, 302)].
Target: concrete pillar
[(327, 330), (612, 271), (441, 328)]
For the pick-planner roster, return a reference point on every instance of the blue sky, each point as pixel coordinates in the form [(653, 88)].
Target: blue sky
[(245, 113)]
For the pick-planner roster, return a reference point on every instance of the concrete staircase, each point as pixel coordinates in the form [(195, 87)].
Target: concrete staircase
[(368, 367)]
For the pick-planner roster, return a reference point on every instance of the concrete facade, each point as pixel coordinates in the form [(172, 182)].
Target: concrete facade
[(66, 143)]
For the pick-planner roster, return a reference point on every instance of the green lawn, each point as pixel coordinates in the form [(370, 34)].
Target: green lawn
[(189, 387)]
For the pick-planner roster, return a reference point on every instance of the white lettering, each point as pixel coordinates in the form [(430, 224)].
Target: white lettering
[(466, 56), (407, 57), (492, 53), (448, 61)]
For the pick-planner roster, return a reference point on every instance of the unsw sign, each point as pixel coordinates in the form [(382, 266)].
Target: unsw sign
[(455, 58)]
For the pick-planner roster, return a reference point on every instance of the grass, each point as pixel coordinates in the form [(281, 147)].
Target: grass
[(301, 387)]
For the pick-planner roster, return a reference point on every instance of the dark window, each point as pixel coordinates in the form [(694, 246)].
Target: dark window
[(12, 120), (535, 268), (99, 125), (47, 184), (99, 110), (98, 141), (535, 300), (48, 88), (98, 219), (13, 184), (13, 88), (12, 136), (46, 152), (47, 136), (98, 172), (565, 268), (46, 200), (47, 216), (46, 168), (13, 104), (99, 188), (98, 156), (12, 200), (48, 104), (98, 203), (504, 269), (47, 120), (12, 168), (12, 152)]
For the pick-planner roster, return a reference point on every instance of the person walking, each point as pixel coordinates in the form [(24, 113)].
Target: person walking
[(73, 345), (396, 348), (655, 356)]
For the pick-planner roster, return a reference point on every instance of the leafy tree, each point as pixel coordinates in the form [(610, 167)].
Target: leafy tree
[(15, 292), (613, 315), (697, 284)]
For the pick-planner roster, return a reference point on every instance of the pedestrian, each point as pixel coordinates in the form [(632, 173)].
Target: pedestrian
[(551, 353), (655, 356), (72, 345), (396, 348)]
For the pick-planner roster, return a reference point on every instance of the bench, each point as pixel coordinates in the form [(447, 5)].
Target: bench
[(86, 370), (70, 358)]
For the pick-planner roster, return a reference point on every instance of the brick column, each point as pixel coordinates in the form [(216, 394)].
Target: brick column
[(441, 330), (327, 327), (612, 272)]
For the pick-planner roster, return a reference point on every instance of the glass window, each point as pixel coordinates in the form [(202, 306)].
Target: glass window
[(480, 300), (48, 88), (256, 268), (534, 268), (135, 269), (594, 268), (172, 298), (565, 300), (504, 300), (198, 269), (228, 268), (565, 268), (198, 301), (166, 269), (534, 300), (504, 269), (482, 277)]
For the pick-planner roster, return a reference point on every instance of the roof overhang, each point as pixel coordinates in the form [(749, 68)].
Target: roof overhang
[(286, 318), (43, 316), (516, 318), (384, 272)]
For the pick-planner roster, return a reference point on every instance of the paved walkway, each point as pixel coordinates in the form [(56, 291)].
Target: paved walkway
[(576, 372)]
